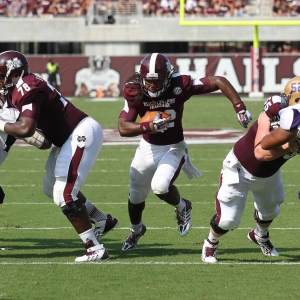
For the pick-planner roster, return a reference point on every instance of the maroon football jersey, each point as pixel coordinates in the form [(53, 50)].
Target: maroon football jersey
[(56, 116), (244, 151), (182, 87)]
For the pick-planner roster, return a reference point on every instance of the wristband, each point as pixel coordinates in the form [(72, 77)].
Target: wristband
[(239, 106), (145, 127), (2, 124)]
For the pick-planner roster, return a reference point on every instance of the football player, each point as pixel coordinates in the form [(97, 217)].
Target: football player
[(78, 137), (248, 167), (162, 152)]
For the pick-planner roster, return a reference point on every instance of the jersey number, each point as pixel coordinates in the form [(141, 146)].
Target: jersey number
[(23, 87)]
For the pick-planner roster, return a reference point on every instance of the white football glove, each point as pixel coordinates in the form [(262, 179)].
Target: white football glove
[(244, 116), (160, 124)]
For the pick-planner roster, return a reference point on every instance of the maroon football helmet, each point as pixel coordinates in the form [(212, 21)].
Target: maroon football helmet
[(155, 73), (13, 65)]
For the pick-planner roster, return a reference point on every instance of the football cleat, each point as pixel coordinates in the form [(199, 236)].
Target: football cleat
[(209, 252), (132, 239), (94, 253), (105, 226), (263, 242), (184, 219)]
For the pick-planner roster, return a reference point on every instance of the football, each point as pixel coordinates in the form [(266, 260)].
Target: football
[(151, 115)]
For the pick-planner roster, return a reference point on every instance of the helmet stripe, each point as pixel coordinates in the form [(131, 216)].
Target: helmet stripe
[(152, 63)]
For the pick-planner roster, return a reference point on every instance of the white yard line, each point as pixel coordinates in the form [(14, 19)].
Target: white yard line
[(158, 263)]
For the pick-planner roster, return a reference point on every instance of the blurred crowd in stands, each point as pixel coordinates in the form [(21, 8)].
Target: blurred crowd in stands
[(164, 8), (43, 8), (217, 8), (286, 8)]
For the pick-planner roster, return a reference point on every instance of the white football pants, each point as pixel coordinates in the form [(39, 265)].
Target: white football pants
[(68, 167), (155, 167), (235, 182)]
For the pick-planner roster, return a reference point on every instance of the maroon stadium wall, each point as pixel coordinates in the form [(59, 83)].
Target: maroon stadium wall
[(276, 69)]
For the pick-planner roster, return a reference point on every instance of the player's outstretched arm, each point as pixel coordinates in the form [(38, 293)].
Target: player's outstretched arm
[(221, 83)]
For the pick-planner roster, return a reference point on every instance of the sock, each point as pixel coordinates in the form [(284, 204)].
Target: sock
[(213, 238), (261, 231), (89, 235), (181, 205), (95, 214), (136, 228)]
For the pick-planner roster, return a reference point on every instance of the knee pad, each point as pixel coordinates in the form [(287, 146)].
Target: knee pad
[(215, 227), (160, 185), (258, 220), (71, 211), (228, 225)]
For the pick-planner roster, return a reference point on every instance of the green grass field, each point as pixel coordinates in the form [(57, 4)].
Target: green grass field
[(41, 246)]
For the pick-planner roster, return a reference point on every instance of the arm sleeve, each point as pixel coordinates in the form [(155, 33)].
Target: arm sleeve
[(289, 118), (129, 112), (200, 86)]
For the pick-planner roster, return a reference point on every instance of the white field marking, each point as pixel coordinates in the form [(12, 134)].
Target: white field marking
[(92, 171), (158, 263), (126, 185), (107, 185), (123, 203), (127, 228)]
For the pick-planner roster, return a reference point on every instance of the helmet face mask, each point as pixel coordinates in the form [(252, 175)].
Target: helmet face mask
[(155, 75), (13, 66), (291, 92)]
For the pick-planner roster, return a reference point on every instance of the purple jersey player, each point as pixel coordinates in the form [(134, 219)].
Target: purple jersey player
[(162, 152), (77, 139)]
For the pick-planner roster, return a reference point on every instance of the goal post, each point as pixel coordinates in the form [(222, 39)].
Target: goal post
[(256, 51)]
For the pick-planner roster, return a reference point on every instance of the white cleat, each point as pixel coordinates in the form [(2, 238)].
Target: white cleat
[(93, 253), (209, 252)]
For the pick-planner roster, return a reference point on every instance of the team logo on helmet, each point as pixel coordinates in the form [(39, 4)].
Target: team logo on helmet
[(12, 64), (177, 90)]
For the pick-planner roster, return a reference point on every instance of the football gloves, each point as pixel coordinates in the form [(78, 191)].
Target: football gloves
[(160, 124), (244, 116)]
